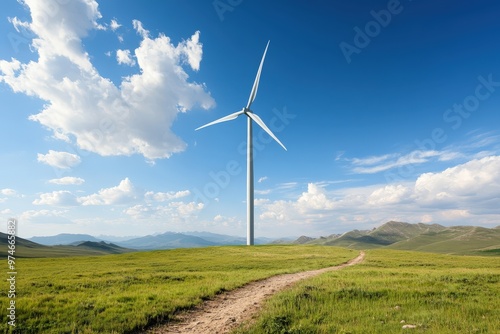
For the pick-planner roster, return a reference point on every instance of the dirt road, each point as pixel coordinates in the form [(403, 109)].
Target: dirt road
[(228, 310)]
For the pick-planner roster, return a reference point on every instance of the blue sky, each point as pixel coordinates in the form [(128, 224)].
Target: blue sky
[(390, 110)]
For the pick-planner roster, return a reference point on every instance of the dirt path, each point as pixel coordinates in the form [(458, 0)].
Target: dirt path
[(228, 310)]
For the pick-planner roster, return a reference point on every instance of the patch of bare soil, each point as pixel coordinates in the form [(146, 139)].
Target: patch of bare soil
[(226, 311)]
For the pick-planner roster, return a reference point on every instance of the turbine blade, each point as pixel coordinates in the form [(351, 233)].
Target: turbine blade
[(223, 119), (255, 87), (261, 123)]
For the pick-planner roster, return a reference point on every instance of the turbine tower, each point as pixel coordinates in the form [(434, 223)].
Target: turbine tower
[(251, 116)]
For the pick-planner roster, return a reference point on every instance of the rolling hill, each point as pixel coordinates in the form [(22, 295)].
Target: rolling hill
[(435, 238), (26, 248), (456, 240)]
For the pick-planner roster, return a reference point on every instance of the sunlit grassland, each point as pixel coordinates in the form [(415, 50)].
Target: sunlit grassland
[(123, 293), (390, 289)]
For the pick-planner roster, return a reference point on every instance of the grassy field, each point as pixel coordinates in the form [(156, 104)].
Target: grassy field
[(391, 289), (123, 293)]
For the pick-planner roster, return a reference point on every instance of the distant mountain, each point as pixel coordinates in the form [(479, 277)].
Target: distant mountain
[(419, 237), (303, 239), (166, 240), (113, 238), (221, 239), (107, 248), (63, 239)]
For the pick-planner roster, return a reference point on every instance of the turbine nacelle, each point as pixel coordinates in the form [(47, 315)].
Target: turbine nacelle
[(246, 110)]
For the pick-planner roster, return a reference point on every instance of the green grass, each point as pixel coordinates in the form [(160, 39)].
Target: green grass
[(127, 292), (458, 240), (438, 293)]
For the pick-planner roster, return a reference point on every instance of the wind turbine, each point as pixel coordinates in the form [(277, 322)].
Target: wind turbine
[(251, 116)]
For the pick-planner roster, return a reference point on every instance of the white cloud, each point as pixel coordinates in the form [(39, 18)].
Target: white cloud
[(473, 181), (163, 197), (121, 194), (390, 194), (262, 179), (187, 209), (68, 180), (172, 212), (114, 25), (8, 192), (45, 217), (134, 117), (382, 163), (57, 159), (140, 29), (478, 145), (124, 57), (467, 193), (192, 50), (315, 198), (278, 210), (263, 192), (57, 198), (139, 211), (224, 221)]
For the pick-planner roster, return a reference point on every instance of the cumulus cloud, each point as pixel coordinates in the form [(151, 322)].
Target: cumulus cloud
[(172, 212), (475, 181), (224, 221), (466, 193), (8, 192), (44, 217), (123, 193), (134, 117), (57, 198), (390, 194), (124, 57), (63, 160), (163, 197), (68, 180), (314, 198)]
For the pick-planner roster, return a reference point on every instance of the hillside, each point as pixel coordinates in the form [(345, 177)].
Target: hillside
[(421, 237), (28, 249), (455, 240)]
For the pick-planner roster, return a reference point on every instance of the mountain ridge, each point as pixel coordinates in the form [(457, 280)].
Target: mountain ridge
[(420, 237), (470, 240)]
